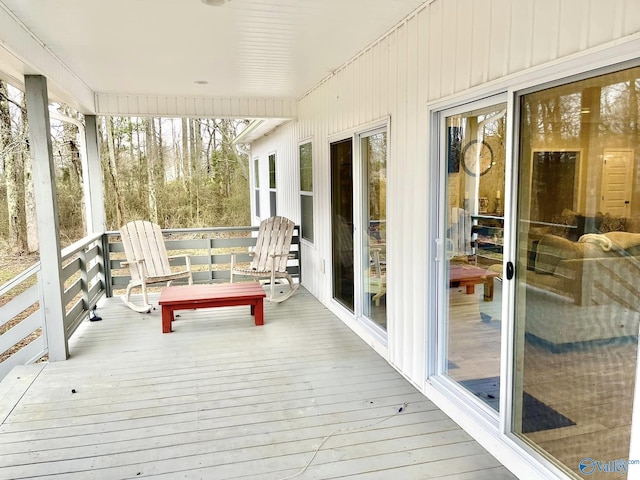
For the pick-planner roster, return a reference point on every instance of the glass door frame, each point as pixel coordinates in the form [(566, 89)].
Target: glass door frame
[(438, 338), (361, 223), (377, 333), (476, 417), (516, 93)]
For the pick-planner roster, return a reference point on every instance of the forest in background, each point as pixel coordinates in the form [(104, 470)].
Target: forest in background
[(177, 172)]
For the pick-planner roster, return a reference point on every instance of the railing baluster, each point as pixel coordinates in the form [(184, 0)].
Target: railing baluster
[(106, 266), (84, 279)]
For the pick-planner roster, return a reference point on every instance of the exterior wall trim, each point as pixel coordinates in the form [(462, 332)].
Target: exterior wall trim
[(217, 107), (19, 42)]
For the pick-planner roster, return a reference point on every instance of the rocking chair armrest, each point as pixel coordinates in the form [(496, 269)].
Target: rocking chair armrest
[(288, 255), (134, 262)]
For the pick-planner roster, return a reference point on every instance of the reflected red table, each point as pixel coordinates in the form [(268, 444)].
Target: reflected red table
[(469, 276)]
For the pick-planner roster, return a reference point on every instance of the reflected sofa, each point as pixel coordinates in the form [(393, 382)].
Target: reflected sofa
[(583, 291)]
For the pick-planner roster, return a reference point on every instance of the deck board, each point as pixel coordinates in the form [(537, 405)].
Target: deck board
[(222, 398)]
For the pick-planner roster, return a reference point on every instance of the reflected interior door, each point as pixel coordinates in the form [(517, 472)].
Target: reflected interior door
[(342, 222), (473, 230), (617, 176)]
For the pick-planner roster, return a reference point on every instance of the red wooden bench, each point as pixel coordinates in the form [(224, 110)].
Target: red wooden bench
[(210, 296)]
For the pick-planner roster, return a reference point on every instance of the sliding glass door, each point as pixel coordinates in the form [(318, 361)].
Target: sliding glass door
[(578, 289), (342, 222), (359, 225), (473, 231), (373, 156), (546, 345)]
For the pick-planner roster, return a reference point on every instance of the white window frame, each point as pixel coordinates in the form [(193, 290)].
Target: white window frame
[(306, 194), (273, 191), (256, 186)]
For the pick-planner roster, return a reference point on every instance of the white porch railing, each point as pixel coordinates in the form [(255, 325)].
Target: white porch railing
[(91, 269)]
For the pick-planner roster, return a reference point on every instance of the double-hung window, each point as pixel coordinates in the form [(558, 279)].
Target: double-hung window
[(256, 185), (272, 184), (305, 151)]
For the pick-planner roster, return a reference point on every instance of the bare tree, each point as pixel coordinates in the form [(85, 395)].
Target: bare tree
[(14, 177), (33, 241), (151, 177), (112, 171)]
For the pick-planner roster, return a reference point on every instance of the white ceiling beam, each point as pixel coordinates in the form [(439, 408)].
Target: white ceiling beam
[(31, 57), (176, 106)]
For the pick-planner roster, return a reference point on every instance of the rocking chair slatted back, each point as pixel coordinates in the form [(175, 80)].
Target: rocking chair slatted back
[(143, 241), (148, 261), (270, 255), (273, 245)]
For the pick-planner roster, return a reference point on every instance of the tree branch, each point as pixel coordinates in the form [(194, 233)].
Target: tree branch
[(22, 109)]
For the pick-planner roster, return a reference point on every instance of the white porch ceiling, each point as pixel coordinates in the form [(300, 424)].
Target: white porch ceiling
[(244, 49)]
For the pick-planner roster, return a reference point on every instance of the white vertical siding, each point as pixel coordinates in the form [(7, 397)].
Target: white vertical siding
[(480, 41), (447, 47), (497, 52), (284, 144)]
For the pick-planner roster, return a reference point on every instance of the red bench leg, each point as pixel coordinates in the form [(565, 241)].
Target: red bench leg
[(167, 318), (258, 309)]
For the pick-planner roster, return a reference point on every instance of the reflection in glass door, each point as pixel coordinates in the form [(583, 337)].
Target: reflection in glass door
[(473, 230), (578, 293), (342, 221), (373, 153)]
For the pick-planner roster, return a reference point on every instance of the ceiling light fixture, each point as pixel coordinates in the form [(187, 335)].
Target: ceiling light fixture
[(214, 3)]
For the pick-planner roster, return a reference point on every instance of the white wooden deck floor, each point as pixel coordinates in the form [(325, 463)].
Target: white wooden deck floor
[(220, 398)]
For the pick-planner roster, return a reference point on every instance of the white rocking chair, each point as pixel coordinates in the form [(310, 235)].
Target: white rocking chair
[(270, 256), (378, 278), (148, 261)]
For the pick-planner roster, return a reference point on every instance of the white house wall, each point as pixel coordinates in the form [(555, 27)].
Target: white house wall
[(284, 145), (443, 49), (283, 142)]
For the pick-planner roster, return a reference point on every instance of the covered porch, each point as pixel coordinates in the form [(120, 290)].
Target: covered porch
[(222, 398), (326, 84)]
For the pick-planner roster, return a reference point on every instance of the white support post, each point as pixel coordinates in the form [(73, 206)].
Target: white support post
[(94, 197), (51, 283)]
